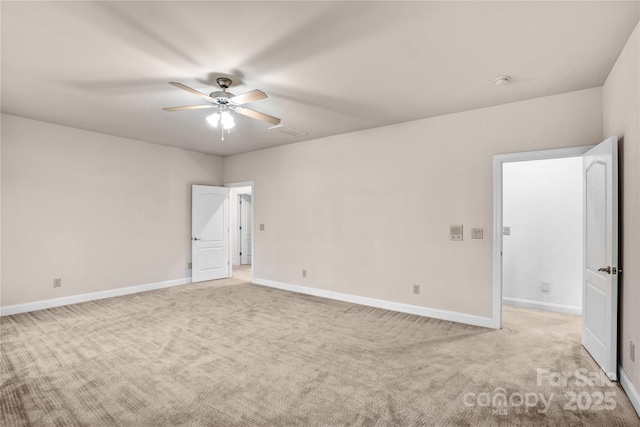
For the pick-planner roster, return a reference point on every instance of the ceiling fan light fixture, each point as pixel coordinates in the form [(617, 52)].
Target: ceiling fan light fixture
[(214, 119), (226, 119)]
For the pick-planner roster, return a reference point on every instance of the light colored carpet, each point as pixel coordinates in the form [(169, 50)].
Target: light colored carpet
[(242, 272), (245, 355)]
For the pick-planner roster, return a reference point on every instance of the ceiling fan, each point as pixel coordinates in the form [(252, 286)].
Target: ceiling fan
[(225, 102)]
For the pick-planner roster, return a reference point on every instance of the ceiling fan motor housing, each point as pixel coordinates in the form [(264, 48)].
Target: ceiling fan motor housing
[(221, 97)]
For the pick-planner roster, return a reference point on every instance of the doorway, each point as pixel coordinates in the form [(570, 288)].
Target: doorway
[(241, 203), (499, 161), (542, 237), (245, 225), (599, 279)]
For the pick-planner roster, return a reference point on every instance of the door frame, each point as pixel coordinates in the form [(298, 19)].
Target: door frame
[(498, 161), (253, 238)]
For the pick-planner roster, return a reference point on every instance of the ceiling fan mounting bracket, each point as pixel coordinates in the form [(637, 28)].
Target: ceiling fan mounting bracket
[(224, 82)]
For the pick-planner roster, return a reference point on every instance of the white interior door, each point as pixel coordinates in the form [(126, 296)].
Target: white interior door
[(600, 280), (209, 233), (246, 232)]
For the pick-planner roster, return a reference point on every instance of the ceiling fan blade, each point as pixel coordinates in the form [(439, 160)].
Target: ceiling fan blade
[(244, 98), (193, 91), (257, 115), (189, 107)]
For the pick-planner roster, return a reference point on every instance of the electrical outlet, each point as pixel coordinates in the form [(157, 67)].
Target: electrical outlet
[(261, 227), (189, 266), (57, 282), (304, 273), (545, 287), (632, 351), (416, 289), (477, 233), (506, 231)]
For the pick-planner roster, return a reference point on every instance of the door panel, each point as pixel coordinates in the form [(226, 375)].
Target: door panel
[(210, 233), (211, 258), (596, 215), (595, 302), (210, 217), (600, 280)]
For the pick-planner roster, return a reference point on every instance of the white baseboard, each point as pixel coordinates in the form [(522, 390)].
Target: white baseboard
[(74, 299), (631, 391), (539, 305), (453, 316)]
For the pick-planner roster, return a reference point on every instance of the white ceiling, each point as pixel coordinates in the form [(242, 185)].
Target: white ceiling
[(328, 67)]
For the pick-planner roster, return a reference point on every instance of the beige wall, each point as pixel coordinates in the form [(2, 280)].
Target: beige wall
[(368, 213), (100, 212), (621, 117)]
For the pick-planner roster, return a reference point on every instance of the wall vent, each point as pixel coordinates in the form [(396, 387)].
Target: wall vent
[(287, 130)]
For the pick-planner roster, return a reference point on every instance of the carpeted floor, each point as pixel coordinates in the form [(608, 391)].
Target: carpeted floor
[(244, 355), (242, 272)]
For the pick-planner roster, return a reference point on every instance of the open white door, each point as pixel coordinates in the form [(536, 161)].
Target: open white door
[(246, 223), (600, 280), (209, 233)]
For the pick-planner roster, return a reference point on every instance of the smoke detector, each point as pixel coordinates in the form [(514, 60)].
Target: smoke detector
[(502, 80)]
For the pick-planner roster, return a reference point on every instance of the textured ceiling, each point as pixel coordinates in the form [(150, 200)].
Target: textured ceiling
[(328, 67)]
